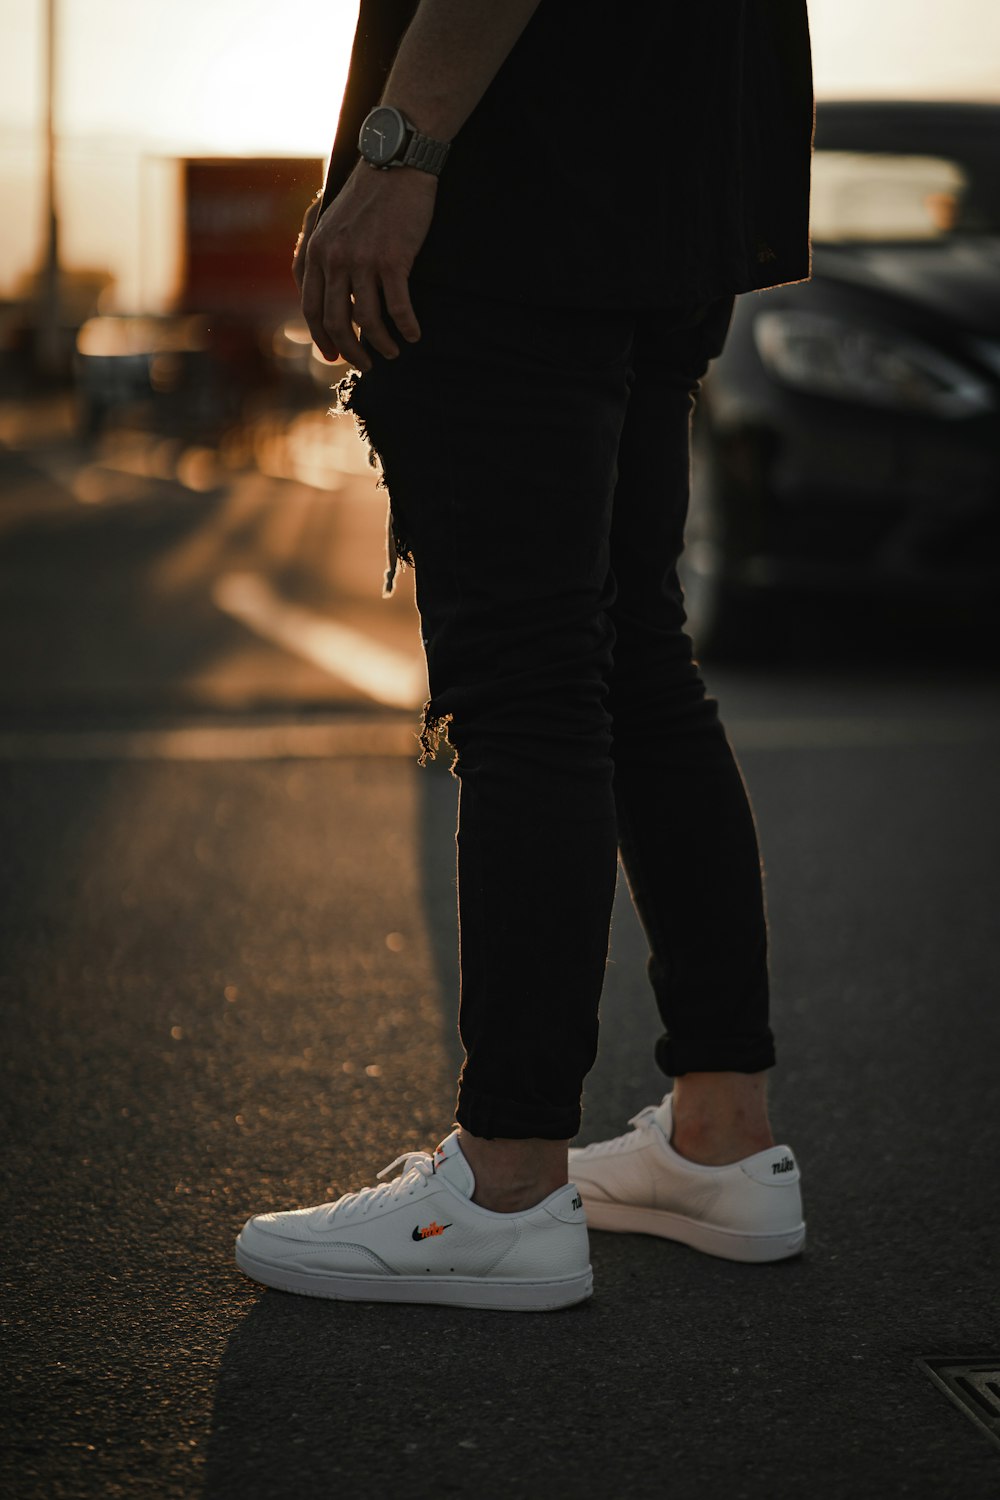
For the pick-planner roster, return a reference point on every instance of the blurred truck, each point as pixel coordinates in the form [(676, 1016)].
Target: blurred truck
[(235, 327)]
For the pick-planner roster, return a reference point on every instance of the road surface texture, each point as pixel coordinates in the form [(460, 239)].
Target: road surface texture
[(229, 984)]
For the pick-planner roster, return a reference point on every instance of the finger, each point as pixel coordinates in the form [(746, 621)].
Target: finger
[(314, 297), (338, 326), (368, 314), (299, 259), (396, 288)]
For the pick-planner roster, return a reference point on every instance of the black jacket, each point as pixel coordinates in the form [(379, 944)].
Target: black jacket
[(629, 153)]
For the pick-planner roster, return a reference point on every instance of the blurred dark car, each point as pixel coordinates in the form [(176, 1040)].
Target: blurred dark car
[(848, 437), (175, 372), (126, 361)]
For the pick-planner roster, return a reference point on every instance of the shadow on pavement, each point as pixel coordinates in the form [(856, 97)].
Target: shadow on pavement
[(206, 1017)]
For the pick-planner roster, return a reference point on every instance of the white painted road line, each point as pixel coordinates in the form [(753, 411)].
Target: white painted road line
[(337, 739), (856, 733), (385, 675), (359, 736)]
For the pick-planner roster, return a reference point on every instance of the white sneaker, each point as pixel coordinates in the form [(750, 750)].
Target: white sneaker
[(749, 1210), (420, 1238)]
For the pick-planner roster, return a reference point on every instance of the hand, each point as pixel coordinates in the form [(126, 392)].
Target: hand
[(365, 244)]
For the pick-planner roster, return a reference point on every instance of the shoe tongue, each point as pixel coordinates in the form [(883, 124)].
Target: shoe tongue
[(450, 1164)]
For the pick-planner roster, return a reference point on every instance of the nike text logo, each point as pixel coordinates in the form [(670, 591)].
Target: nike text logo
[(430, 1231), (786, 1164)]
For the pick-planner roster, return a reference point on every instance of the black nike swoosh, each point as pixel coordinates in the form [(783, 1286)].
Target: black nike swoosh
[(418, 1236)]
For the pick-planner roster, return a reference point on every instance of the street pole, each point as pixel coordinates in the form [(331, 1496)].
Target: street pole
[(49, 350)]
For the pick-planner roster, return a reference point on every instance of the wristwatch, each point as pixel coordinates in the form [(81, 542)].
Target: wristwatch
[(389, 139)]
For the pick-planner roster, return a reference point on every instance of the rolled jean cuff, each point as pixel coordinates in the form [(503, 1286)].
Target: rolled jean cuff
[(706, 1055), (491, 1117)]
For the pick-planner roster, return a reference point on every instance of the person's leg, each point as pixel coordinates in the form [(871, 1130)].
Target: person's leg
[(498, 434), (686, 831)]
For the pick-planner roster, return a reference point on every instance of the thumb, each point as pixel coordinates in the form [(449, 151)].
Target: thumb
[(305, 234)]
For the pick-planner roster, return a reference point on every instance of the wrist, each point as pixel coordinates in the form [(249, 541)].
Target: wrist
[(409, 182), (389, 139), (426, 116)]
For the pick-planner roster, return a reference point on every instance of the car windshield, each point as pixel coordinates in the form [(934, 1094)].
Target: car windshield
[(878, 196)]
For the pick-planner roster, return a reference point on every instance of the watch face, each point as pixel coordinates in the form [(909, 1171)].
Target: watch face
[(382, 136)]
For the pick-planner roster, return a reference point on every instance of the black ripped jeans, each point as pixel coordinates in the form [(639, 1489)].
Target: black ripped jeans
[(537, 467)]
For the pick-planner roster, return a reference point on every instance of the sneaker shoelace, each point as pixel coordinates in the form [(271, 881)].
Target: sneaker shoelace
[(608, 1148), (416, 1165)]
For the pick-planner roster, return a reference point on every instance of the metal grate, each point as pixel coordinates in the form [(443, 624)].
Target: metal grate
[(973, 1385)]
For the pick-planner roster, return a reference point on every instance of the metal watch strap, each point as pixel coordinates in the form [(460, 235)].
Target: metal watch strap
[(425, 154)]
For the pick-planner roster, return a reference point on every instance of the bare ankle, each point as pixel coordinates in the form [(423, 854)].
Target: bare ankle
[(720, 1117), (719, 1150), (514, 1175)]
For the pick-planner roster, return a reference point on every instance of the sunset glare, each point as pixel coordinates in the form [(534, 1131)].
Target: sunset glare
[(142, 83)]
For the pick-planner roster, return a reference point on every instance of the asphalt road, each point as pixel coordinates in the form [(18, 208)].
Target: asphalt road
[(229, 984)]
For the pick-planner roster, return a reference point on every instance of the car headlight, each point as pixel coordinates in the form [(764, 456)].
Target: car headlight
[(834, 357)]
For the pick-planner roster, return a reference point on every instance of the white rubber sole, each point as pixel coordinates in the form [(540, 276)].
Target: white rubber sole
[(728, 1244), (450, 1291)]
